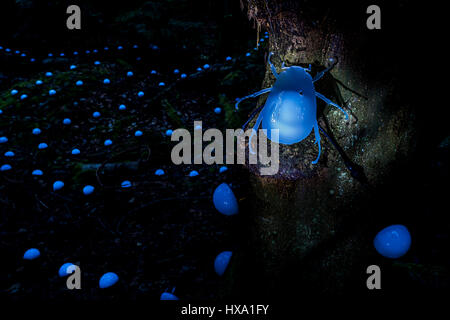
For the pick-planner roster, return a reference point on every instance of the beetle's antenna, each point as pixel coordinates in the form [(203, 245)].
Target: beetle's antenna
[(253, 95)]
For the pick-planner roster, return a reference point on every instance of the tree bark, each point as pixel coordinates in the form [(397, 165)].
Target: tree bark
[(308, 223)]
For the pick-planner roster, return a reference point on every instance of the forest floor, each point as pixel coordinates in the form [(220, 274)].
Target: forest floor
[(161, 233)]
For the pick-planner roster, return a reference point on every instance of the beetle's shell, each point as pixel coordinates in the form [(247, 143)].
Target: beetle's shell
[(291, 106)]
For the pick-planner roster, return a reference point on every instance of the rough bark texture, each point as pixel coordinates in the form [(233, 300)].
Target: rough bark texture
[(304, 218)]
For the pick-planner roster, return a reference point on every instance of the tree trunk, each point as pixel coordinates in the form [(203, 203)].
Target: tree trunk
[(309, 223)]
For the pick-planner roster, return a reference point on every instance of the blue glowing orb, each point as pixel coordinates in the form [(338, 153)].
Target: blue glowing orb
[(96, 114), (107, 142), (58, 185), (108, 279), (222, 261), (37, 172), (193, 173), (87, 190), (122, 107), (36, 131), (31, 254), (67, 121), (223, 169), (42, 146), (393, 241), (106, 81), (126, 184), (63, 270), (225, 200), (76, 151), (217, 110), (3, 139), (138, 133), (5, 167), (159, 172), (168, 296)]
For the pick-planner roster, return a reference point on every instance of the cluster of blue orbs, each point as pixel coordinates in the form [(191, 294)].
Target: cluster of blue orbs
[(224, 199)]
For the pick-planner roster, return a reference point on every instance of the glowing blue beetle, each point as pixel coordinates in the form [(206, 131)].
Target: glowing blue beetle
[(291, 106)]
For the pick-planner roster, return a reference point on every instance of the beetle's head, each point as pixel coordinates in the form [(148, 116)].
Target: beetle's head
[(296, 79)]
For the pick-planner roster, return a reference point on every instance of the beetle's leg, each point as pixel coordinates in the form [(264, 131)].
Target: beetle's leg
[(308, 69), (317, 134), (252, 116), (272, 67), (283, 65), (253, 95), (254, 131), (321, 73), (328, 101)]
